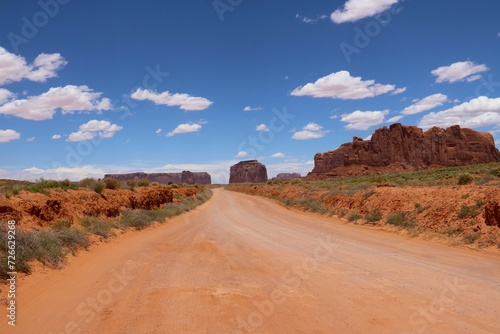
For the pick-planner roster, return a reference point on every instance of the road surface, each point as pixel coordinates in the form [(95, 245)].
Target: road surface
[(243, 264)]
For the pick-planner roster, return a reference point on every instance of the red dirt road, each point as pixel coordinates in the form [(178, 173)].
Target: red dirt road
[(243, 264)]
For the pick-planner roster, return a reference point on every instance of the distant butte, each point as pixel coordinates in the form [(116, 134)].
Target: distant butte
[(250, 171), (186, 177), (406, 148)]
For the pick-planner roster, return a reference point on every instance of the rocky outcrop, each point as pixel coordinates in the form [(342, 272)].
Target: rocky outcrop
[(165, 178), (282, 176), (492, 212), (400, 148), (250, 171)]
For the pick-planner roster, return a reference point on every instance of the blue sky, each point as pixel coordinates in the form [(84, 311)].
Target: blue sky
[(89, 87)]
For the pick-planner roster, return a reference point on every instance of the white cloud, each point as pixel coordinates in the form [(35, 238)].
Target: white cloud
[(460, 71), (425, 104), (8, 135), (310, 131), (262, 127), (278, 155), (248, 108), (342, 85), (93, 128), (242, 154), (5, 95), (478, 112), (309, 163), (56, 137), (81, 136), (183, 101), (395, 119), (158, 131), (30, 139), (399, 91), (185, 128), (15, 68), (355, 10), (363, 120), (305, 19), (60, 173), (68, 99)]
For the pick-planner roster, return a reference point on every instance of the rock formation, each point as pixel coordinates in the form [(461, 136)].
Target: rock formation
[(282, 176), (165, 178), (400, 148), (250, 171)]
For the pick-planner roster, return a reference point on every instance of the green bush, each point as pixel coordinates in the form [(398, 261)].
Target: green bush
[(467, 212), (373, 216), (99, 187), (353, 216), (96, 226), (464, 179), (112, 183), (401, 219), (87, 183), (138, 219), (143, 183)]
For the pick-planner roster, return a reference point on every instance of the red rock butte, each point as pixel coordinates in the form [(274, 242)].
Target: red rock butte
[(250, 171), (406, 148)]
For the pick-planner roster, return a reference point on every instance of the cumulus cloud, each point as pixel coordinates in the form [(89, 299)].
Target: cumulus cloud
[(94, 128), (5, 95), (425, 104), (310, 131), (185, 128), (394, 119), (355, 10), (278, 155), (15, 68), (158, 131), (9, 135), (56, 137), (460, 71), (262, 127), (478, 112), (363, 120), (399, 91), (183, 101), (68, 99), (242, 154), (305, 19), (248, 108), (341, 85)]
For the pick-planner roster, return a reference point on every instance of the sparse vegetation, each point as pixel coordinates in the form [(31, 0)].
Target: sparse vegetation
[(471, 237), (96, 225), (143, 183), (374, 216), (465, 179), (112, 183), (99, 187), (353, 216), (401, 219), (467, 212)]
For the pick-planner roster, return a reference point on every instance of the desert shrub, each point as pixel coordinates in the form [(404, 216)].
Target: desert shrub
[(455, 230), (96, 226), (72, 238), (479, 203), (99, 187), (111, 183), (401, 219), (15, 192), (143, 183), (138, 218), (467, 212), (485, 179), (464, 179), (65, 184), (471, 237), (87, 183), (154, 184), (495, 172), (131, 184), (353, 216), (7, 195), (61, 224), (374, 216)]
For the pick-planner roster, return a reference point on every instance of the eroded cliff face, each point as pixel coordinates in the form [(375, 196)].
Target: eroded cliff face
[(400, 147), (186, 177), (250, 171)]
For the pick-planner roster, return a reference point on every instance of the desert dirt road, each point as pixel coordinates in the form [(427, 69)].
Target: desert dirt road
[(243, 264)]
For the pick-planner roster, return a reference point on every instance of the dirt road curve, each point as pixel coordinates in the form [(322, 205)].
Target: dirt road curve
[(242, 264)]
